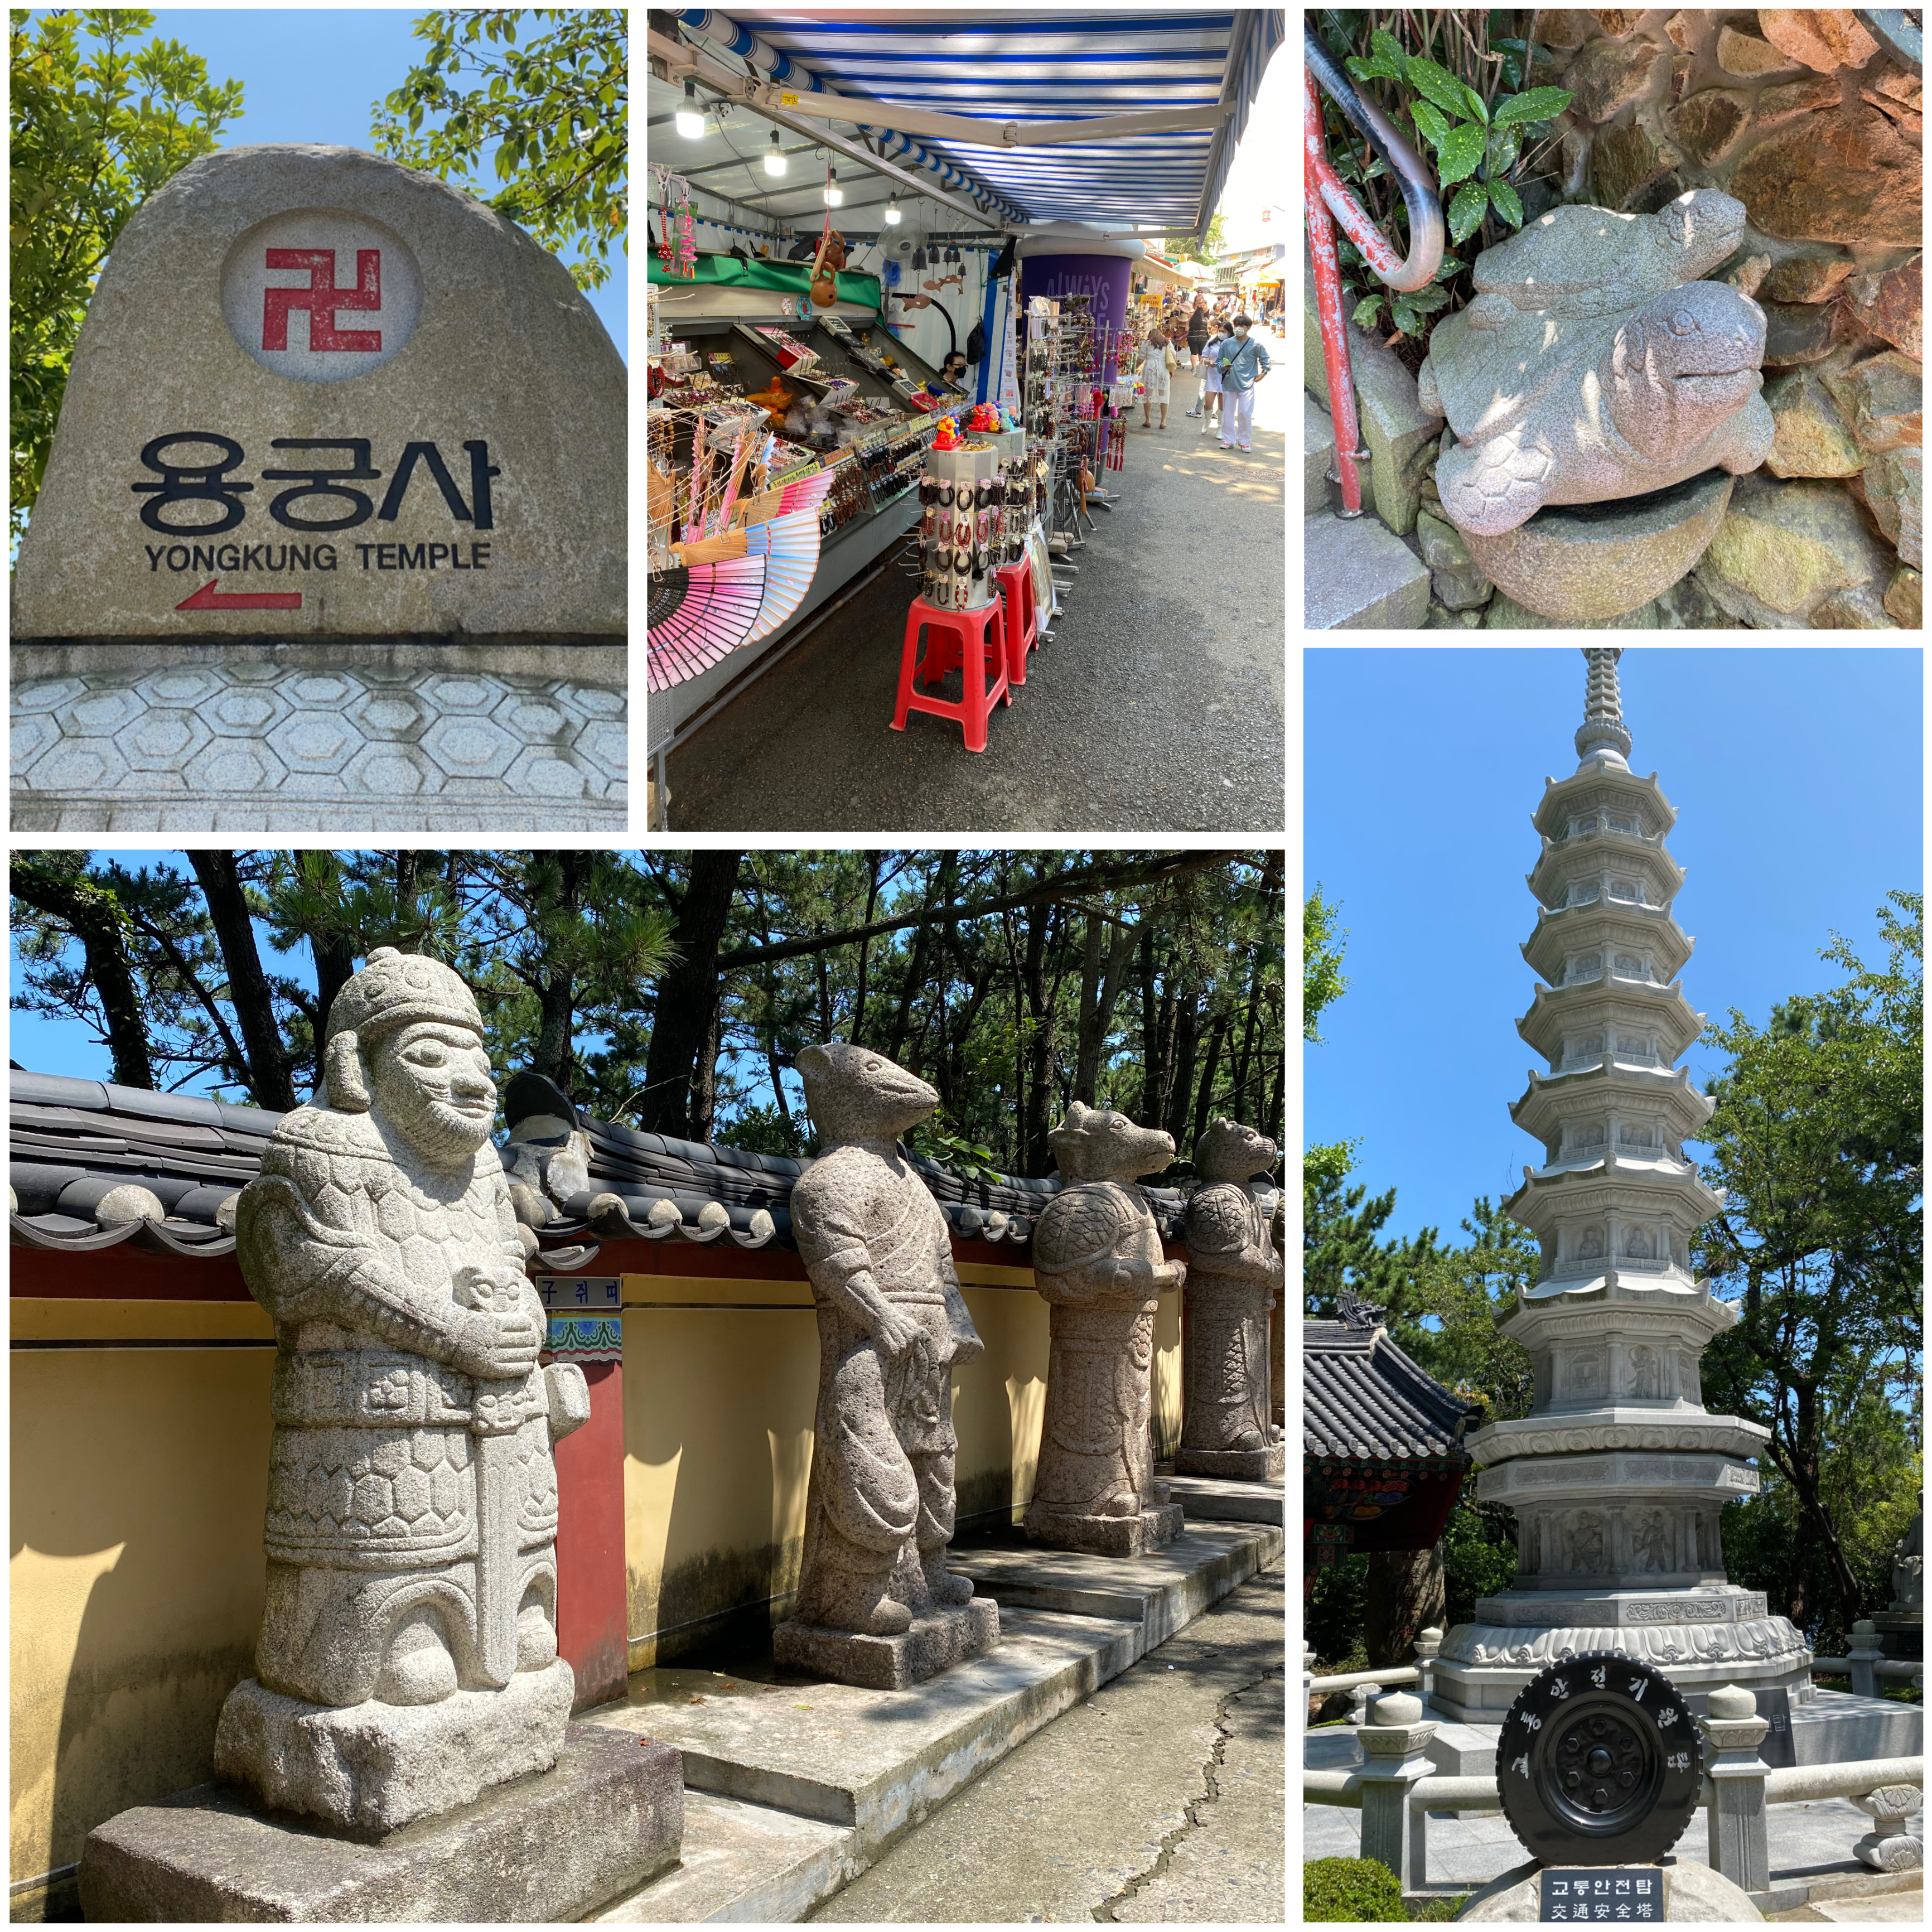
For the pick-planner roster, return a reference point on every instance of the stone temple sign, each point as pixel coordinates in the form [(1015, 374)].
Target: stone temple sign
[(335, 515)]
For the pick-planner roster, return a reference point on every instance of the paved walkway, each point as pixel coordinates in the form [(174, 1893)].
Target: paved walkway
[(1156, 707), (1159, 1801)]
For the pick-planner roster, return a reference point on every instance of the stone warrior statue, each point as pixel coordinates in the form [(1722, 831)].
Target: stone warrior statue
[(892, 1325), (1097, 1259), (408, 1653), (1234, 1279)]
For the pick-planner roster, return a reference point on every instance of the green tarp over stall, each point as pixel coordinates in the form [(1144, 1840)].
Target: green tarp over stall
[(790, 278)]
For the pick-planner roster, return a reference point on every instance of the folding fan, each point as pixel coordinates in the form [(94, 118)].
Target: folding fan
[(696, 618), (789, 544)]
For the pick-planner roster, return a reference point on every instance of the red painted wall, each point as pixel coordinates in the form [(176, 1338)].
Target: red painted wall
[(590, 1596)]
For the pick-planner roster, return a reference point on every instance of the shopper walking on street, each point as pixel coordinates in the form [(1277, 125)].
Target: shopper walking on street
[(1243, 363), (1153, 377), (1200, 326), (1207, 404)]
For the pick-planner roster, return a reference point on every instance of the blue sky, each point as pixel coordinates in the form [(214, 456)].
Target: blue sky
[(312, 74), (1796, 774)]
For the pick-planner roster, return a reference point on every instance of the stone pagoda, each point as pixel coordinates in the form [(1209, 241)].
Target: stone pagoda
[(1617, 1475)]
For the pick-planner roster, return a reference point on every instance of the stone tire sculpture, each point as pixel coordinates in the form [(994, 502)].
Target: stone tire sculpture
[(1599, 1762), (1593, 365)]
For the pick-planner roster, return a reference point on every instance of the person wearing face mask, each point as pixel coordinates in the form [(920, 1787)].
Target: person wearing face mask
[(1207, 404), (1243, 363), (952, 370)]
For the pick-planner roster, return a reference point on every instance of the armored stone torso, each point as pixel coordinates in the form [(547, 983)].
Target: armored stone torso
[(370, 1252)]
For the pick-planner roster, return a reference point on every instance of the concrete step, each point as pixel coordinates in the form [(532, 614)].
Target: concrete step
[(1318, 444), (742, 1864), (1358, 575), (792, 1787), (1221, 1499), (1159, 1592)]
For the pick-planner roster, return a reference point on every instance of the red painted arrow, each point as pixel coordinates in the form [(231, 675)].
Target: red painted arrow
[(208, 599)]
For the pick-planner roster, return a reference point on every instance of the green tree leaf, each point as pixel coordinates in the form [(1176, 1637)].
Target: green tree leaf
[(1439, 85), (98, 124), (1366, 310), (540, 94), (1376, 67), (1459, 154), (1429, 122), (1504, 199), (1478, 108), (1540, 104), (1505, 144), (1465, 212), (1388, 48)]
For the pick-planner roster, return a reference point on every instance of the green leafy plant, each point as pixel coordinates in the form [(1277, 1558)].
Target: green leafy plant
[(1478, 144)]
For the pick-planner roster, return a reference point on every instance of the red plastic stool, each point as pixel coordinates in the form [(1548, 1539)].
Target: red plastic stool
[(1022, 618), (968, 641)]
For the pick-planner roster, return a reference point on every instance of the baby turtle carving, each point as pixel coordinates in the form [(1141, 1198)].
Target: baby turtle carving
[(1593, 365)]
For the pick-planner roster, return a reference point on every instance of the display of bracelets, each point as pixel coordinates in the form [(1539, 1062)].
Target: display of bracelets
[(846, 500)]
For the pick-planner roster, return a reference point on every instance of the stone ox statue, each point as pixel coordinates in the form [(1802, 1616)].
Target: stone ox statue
[(876, 1603), (408, 1654), (1234, 1280), (1593, 365), (1098, 1260)]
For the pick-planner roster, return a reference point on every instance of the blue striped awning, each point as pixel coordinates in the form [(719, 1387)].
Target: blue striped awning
[(1006, 65)]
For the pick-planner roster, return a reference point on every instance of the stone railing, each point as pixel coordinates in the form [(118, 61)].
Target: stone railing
[(1867, 1663), (1395, 1788)]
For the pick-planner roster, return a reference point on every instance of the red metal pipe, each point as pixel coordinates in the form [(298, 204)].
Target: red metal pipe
[(1328, 298)]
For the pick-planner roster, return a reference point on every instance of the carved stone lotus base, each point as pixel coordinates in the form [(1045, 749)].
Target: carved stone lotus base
[(552, 1849), (1482, 1667), (1105, 1535), (935, 1642), (1245, 1465), (373, 1768)]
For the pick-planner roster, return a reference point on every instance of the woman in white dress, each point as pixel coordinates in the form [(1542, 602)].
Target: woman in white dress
[(1154, 362)]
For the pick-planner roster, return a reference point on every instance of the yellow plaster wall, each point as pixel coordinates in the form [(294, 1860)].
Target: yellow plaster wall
[(138, 1477), (720, 1382)]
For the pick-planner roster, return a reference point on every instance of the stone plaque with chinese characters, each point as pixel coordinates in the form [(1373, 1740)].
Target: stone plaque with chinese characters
[(319, 395), (1603, 1895)]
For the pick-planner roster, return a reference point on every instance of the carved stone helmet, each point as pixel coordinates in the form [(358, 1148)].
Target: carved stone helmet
[(394, 989)]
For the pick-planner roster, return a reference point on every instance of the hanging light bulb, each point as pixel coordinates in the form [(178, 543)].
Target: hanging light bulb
[(774, 160), (689, 119), (834, 193), (893, 217)]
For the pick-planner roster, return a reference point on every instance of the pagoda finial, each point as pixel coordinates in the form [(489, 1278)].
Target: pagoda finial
[(1601, 738)]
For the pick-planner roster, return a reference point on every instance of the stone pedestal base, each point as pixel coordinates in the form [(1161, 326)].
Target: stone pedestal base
[(1901, 1634), (548, 1848), (1242, 1465), (374, 1768), (935, 1642), (1105, 1535)]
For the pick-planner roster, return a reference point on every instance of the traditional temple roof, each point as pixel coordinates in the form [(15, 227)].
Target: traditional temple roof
[(90, 1161), (1364, 1400)]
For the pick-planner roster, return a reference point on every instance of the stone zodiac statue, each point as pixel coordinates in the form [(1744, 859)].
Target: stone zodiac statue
[(1234, 1279), (892, 1325), (1097, 1259), (408, 1652)]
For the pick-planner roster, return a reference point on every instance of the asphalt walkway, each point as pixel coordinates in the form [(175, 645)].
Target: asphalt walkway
[(1157, 706), (1159, 1801)]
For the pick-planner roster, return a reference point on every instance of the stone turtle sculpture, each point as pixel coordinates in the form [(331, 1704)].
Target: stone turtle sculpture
[(1593, 365)]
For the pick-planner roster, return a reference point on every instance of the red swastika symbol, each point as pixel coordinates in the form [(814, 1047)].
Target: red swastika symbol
[(322, 298)]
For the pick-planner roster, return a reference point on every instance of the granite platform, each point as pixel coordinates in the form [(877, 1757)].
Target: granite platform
[(793, 1786), (1224, 1499)]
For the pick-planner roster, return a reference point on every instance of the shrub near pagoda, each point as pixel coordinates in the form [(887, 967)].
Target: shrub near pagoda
[(1351, 1891)]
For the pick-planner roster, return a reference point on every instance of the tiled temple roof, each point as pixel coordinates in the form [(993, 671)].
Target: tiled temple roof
[(77, 1148), (1363, 1398)]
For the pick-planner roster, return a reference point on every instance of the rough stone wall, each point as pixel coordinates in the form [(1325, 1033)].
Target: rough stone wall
[(1806, 120), (1802, 116)]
